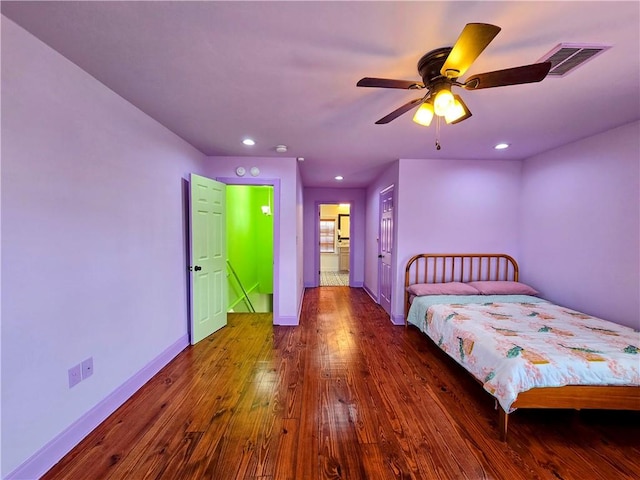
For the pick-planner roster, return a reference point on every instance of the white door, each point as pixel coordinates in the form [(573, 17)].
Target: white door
[(208, 257), (385, 247)]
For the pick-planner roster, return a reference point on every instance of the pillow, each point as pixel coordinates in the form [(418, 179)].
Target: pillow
[(449, 288), (503, 287)]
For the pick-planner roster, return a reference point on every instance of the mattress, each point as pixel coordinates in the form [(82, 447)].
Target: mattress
[(513, 343)]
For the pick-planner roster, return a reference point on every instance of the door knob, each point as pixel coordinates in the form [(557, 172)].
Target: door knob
[(197, 268), (380, 256)]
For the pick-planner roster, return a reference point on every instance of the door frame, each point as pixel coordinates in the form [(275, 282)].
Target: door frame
[(275, 183), (393, 242), (316, 247)]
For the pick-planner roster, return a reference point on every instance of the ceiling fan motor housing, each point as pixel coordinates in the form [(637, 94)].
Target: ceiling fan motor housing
[(430, 64)]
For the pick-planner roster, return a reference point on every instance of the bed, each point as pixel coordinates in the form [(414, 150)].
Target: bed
[(525, 351)]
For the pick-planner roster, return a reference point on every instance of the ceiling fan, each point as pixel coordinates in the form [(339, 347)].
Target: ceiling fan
[(440, 70)]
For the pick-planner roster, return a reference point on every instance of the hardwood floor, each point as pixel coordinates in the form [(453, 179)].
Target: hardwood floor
[(345, 395)]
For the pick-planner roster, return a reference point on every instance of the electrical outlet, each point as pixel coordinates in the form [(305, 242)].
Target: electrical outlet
[(75, 375), (87, 368)]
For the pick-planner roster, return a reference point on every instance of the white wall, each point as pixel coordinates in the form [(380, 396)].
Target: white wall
[(93, 245), (580, 225)]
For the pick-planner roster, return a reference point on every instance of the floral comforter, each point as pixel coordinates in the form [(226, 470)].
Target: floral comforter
[(513, 345)]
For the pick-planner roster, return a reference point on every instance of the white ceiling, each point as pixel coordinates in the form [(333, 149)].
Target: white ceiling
[(286, 73)]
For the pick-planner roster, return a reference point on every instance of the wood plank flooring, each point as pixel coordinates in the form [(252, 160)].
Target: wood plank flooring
[(345, 395)]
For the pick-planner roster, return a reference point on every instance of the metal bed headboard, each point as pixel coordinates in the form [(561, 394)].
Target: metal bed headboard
[(457, 267)]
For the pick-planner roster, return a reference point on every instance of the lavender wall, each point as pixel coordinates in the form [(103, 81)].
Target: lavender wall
[(300, 238), (448, 206), (93, 245), (581, 225), (438, 203), (354, 196), (289, 288), (372, 227)]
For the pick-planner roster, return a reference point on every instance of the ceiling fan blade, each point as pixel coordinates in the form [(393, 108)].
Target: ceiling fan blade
[(510, 76), (388, 83), (399, 111), (472, 41)]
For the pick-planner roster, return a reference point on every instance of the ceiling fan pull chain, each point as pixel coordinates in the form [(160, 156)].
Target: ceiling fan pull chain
[(438, 147)]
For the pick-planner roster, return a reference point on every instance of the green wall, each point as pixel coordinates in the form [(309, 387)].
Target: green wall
[(249, 239)]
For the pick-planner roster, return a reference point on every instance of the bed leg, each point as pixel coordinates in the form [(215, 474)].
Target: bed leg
[(575, 418), (503, 420)]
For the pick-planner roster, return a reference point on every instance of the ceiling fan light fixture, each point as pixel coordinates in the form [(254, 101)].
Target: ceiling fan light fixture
[(443, 101), (424, 114), (440, 69), (458, 112)]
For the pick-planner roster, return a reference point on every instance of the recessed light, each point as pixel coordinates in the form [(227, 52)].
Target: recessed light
[(339, 177), (281, 148), (249, 142), (300, 159), (501, 146)]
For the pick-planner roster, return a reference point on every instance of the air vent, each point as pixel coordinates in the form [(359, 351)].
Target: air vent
[(566, 57)]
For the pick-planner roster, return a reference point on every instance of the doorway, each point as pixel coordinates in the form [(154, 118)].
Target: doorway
[(334, 244), (385, 248), (250, 229), (208, 293)]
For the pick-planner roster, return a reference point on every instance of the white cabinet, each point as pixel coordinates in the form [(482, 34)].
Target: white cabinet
[(343, 259)]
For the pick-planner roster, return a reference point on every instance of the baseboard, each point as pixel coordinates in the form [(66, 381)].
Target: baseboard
[(371, 294), (300, 302), (287, 321), (397, 319), (45, 458)]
